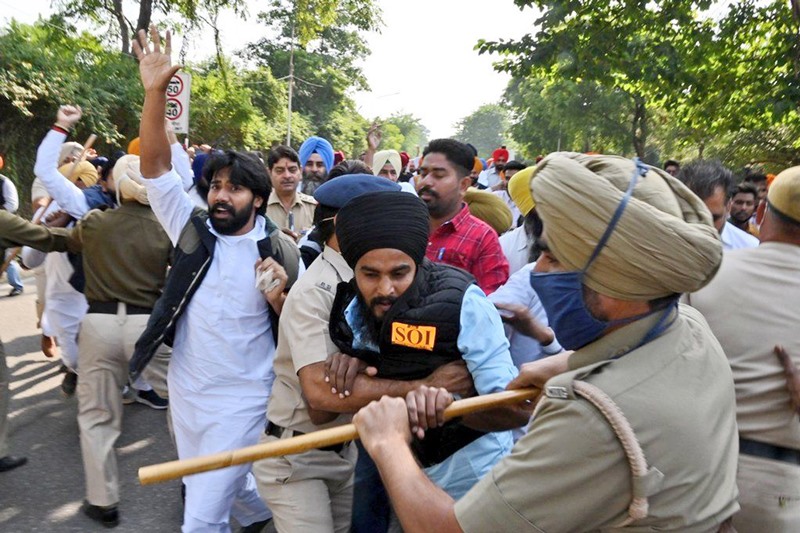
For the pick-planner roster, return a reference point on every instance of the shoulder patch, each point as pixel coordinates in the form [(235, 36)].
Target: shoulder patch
[(420, 337)]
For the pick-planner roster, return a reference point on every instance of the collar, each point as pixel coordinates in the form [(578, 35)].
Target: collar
[(338, 263), (459, 219), (618, 342)]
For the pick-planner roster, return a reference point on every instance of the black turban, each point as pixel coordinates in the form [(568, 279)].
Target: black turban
[(397, 220)]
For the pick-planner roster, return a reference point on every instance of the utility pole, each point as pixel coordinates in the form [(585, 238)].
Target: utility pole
[(291, 88)]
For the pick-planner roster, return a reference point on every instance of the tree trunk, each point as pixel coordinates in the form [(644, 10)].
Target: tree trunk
[(639, 126), (145, 14), (123, 27)]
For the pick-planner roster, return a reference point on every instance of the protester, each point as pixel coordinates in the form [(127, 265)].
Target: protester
[(312, 491), (743, 207), (456, 237), (408, 317), (222, 327), (672, 167), (511, 168), (388, 164), (713, 183), (611, 294), (751, 306), (493, 178), (316, 158)]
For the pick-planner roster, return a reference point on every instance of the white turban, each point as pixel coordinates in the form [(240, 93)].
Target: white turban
[(386, 156), (127, 180)]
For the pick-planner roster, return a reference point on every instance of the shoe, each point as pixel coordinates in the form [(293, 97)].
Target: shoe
[(151, 399), (256, 527), (128, 395), (15, 292), (9, 462), (107, 516), (69, 383)]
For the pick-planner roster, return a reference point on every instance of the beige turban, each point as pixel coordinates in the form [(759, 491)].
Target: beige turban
[(490, 208), (663, 244), (68, 149), (128, 180), (84, 171), (386, 156)]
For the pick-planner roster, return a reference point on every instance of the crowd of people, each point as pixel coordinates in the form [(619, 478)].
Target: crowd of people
[(267, 296)]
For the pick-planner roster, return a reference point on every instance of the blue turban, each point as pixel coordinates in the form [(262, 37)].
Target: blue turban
[(320, 146), (197, 166)]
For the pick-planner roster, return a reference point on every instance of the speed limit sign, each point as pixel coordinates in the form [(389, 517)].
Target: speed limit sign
[(177, 110)]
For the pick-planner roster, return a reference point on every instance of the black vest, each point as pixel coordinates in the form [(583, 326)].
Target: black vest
[(419, 334), (192, 259)]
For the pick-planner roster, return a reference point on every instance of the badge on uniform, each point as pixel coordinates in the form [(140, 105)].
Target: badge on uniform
[(420, 337)]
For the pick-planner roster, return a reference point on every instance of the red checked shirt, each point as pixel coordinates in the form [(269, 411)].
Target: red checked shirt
[(467, 242)]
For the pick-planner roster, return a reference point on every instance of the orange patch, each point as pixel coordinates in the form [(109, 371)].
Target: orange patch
[(420, 337)]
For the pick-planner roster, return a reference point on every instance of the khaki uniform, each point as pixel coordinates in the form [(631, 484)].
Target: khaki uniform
[(752, 305), (570, 472), (302, 212), (312, 491)]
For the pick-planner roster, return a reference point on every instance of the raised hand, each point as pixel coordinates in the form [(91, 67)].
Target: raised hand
[(374, 136), (155, 66), (68, 115)]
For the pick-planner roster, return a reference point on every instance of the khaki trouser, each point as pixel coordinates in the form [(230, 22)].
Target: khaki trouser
[(105, 346), (769, 493), (4, 379), (310, 492)]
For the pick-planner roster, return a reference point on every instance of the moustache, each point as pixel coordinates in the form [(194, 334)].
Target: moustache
[(382, 300), (224, 207), (428, 190)]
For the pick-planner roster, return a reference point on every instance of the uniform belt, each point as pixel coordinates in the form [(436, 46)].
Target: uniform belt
[(111, 308), (277, 431), (769, 451)]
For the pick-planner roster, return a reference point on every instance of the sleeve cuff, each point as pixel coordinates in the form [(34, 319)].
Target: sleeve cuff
[(553, 348)]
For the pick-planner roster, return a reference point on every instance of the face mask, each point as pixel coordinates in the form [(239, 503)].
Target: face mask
[(561, 293)]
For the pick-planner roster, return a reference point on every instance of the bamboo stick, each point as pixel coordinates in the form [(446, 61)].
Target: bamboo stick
[(327, 437)]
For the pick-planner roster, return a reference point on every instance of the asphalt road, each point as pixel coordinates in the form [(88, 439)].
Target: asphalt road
[(46, 494)]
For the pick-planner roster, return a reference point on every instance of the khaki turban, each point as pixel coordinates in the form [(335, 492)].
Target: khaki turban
[(784, 193), (663, 244), (386, 156), (84, 171), (127, 180), (490, 208)]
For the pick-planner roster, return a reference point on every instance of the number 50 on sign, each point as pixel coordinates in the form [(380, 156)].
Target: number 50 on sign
[(177, 110)]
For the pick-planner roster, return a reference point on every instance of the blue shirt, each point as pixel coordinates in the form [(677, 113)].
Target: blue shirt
[(484, 348)]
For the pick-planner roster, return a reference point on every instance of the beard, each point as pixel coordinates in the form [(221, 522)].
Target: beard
[(371, 320), (313, 175), (232, 224), (741, 216)]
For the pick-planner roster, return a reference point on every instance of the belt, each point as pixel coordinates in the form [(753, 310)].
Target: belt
[(111, 308), (769, 451), (275, 430)]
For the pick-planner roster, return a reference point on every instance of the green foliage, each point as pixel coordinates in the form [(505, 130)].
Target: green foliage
[(485, 129), (692, 78), (414, 134), (42, 67)]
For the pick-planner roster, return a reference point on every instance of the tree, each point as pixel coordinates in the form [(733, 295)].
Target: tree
[(414, 133), (122, 28), (486, 128), (319, 55), (42, 67), (642, 49)]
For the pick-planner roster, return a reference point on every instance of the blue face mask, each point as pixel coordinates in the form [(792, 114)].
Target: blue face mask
[(561, 293)]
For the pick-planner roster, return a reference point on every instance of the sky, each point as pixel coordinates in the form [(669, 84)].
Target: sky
[(422, 61)]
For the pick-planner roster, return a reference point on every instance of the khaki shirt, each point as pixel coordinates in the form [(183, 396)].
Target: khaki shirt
[(753, 304), (16, 231), (570, 473), (304, 339), (302, 212)]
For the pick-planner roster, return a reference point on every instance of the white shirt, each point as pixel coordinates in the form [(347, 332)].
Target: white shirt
[(10, 196), (514, 244), (733, 238), (67, 194), (518, 290), (223, 342), (515, 213), (489, 177)]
